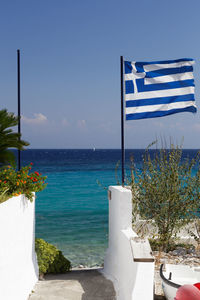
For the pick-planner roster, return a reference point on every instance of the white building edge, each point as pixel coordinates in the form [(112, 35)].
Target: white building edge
[(128, 262), (18, 263)]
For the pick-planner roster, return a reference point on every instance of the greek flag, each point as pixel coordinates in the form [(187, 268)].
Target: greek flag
[(157, 89)]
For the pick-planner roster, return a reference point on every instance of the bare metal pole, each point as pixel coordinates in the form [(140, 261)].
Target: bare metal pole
[(19, 104), (122, 118)]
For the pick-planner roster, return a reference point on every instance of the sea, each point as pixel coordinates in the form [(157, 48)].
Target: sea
[(72, 211)]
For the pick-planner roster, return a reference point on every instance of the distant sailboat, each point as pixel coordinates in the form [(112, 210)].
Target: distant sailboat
[(94, 149)]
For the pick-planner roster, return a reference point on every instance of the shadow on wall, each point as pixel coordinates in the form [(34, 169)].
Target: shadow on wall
[(34, 256)]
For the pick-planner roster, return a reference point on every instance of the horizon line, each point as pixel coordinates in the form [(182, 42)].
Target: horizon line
[(153, 148)]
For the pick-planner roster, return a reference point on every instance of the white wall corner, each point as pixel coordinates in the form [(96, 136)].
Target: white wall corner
[(18, 262), (127, 275)]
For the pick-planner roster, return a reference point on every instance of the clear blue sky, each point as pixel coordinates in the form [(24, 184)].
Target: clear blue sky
[(70, 71)]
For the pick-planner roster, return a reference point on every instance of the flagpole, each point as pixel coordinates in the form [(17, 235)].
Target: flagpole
[(122, 118), (19, 106)]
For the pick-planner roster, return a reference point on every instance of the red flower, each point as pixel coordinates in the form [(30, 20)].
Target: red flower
[(5, 181), (31, 163), (37, 173)]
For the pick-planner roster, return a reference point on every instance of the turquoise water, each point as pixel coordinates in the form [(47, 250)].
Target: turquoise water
[(72, 212)]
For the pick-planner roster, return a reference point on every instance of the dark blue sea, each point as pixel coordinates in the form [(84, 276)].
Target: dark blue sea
[(72, 212)]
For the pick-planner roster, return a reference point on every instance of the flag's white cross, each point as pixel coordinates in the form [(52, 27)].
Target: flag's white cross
[(136, 75)]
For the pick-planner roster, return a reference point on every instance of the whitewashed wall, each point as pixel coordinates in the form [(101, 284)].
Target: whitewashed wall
[(18, 263), (132, 280)]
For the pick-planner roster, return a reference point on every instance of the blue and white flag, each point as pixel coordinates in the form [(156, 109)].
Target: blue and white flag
[(160, 88)]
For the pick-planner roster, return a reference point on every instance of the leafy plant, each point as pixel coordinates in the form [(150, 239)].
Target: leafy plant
[(14, 183), (8, 138), (50, 259), (165, 191)]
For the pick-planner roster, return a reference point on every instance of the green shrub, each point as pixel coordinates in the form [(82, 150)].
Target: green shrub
[(50, 259), (166, 190)]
